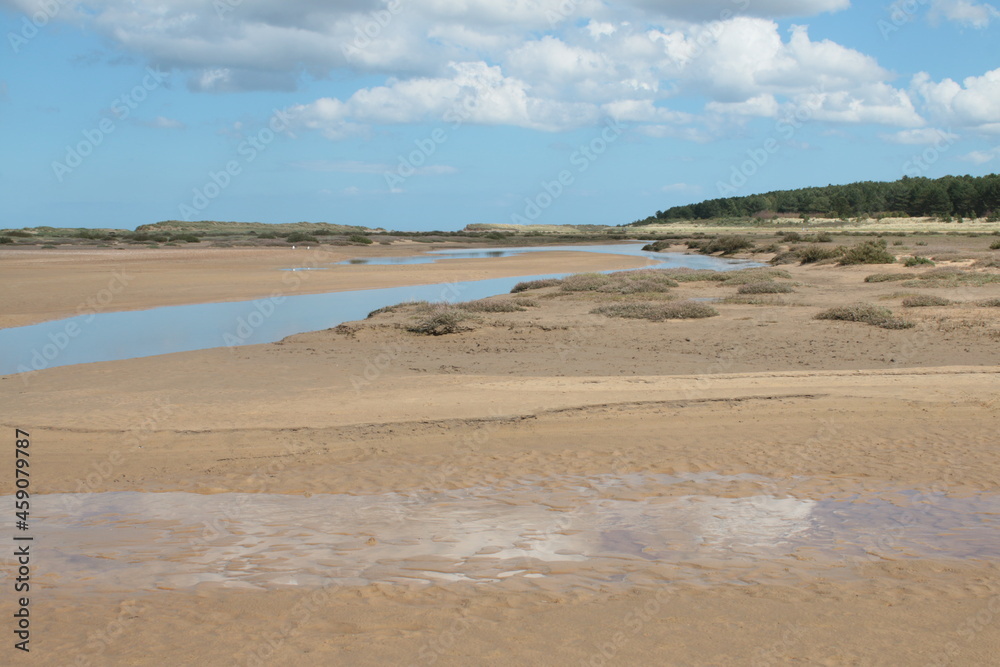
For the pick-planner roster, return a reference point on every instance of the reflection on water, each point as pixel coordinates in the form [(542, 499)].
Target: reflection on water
[(570, 531)]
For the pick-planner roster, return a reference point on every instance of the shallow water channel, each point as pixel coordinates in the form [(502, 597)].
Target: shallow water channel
[(567, 531), (113, 336)]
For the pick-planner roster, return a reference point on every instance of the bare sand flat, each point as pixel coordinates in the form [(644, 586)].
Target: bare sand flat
[(759, 487)]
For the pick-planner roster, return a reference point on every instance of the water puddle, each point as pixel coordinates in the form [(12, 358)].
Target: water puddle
[(585, 531)]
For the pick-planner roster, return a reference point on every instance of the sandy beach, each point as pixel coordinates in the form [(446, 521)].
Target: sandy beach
[(853, 453)]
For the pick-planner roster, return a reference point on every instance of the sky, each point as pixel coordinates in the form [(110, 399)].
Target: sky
[(434, 114)]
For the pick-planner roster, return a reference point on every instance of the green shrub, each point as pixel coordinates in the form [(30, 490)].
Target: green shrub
[(358, 238), (441, 320), (917, 261), (535, 284), (995, 245), (20, 233), (824, 237), (4, 240), (868, 313), (657, 312), (888, 277), (300, 237), (921, 243), (790, 237), (990, 303), (764, 287), (868, 252), (186, 238), (267, 235), (924, 300), (815, 253), (726, 244)]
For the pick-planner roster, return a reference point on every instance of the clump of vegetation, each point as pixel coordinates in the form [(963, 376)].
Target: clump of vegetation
[(186, 238), (727, 244), (633, 282), (5, 240), (824, 237), (491, 306), (868, 313), (535, 284), (584, 282), (657, 246), (399, 306), (888, 277), (743, 276), (995, 245), (765, 287), (815, 253), (657, 312), (790, 237), (989, 263), (443, 319), (867, 252), (917, 261), (924, 300), (990, 303), (301, 237), (953, 278), (358, 238)]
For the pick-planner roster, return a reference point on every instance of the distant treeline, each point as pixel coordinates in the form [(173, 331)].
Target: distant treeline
[(965, 196)]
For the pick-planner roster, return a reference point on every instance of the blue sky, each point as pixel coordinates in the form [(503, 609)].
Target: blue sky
[(433, 114)]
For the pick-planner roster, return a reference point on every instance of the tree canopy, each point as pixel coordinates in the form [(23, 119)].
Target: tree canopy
[(966, 196)]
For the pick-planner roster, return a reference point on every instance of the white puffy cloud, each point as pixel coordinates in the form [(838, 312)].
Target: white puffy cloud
[(982, 157), (542, 64), (974, 103), (965, 12), (475, 93)]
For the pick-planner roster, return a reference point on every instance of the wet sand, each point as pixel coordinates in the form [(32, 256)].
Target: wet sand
[(759, 421)]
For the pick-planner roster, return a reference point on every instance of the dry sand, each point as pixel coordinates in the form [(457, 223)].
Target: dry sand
[(524, 406)]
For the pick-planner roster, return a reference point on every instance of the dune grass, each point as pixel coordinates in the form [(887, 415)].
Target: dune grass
[(657, 312), (867, 313)]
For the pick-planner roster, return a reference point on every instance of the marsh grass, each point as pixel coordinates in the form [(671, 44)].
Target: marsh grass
[(765, 287), (917, 261), (925, 300), (443, 319), (491, 306), (989, 303), (657, 312), (888, 277), (951, 277), (867, 313), (535, 284)]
